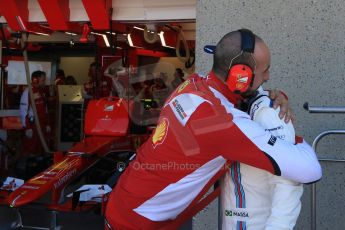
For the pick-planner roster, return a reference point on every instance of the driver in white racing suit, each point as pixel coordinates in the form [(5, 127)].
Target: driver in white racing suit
[(254, 199)]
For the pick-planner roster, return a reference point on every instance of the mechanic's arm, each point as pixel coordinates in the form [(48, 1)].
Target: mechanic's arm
[(295, 162), (237, 138), (233, 135)]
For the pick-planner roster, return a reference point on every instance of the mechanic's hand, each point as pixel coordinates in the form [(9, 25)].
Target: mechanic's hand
[(29, 133), (282, 102), (48, 129)]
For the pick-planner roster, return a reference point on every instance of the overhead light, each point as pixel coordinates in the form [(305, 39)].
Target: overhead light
[(39, 33), (130, 42), (161, 36), (97, 34), (23, 27), (21, 23), (47, 27), (69, 33), (11, 48), (138, 28), (129, 39), (113, 33), (106, 40)]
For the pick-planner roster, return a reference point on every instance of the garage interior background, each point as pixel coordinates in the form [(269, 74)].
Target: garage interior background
[(308, 56)]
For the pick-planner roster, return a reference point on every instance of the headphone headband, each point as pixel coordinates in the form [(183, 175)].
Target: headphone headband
[(240, 76), (247, 40)]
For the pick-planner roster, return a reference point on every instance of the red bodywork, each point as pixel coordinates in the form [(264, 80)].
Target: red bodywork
[(100, 142), (101, 114)]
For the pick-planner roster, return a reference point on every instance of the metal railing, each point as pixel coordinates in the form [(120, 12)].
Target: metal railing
[(322, 109)]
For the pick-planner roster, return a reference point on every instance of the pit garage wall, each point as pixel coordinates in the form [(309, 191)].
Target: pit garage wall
[(306, 39)]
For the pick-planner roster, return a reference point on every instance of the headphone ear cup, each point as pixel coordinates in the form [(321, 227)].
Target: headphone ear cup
[(239, 78)]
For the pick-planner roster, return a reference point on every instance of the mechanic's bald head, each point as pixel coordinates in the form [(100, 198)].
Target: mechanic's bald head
[(227, 48)]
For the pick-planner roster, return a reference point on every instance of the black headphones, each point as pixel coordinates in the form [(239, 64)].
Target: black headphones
[(240, 76)]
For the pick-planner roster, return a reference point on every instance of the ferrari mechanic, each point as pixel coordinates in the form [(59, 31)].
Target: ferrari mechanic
[(198, 131)]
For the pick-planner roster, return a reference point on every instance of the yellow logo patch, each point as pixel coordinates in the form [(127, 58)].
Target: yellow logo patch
[(184, 85), (61, 165), (160, 132), (34, 181)]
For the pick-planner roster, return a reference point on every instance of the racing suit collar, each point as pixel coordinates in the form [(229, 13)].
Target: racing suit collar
[(218, 84)]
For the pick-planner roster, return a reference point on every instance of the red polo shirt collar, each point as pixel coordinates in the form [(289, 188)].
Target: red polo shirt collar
[(219, 85)]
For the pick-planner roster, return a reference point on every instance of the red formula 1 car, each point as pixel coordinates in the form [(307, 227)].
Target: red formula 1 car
[(99, 158), (114, 129)]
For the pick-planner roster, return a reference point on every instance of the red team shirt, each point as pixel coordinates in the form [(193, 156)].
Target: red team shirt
[(32, 145), (103, 89), (40, 103), (198, 131)]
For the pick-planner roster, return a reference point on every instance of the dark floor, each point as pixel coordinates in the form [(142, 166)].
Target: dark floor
[(66, 221), (41, 218)]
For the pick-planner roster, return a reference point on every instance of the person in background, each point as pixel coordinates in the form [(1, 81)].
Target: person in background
[(31, 142), (59, 77), (178, 78), (70, 80), (98, 85), (59, 80), (159, 90)]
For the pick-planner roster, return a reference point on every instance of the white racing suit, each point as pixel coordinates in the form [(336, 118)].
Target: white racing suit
[(254, 199)]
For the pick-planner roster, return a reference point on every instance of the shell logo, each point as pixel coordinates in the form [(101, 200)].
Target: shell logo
[(160, 132)]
